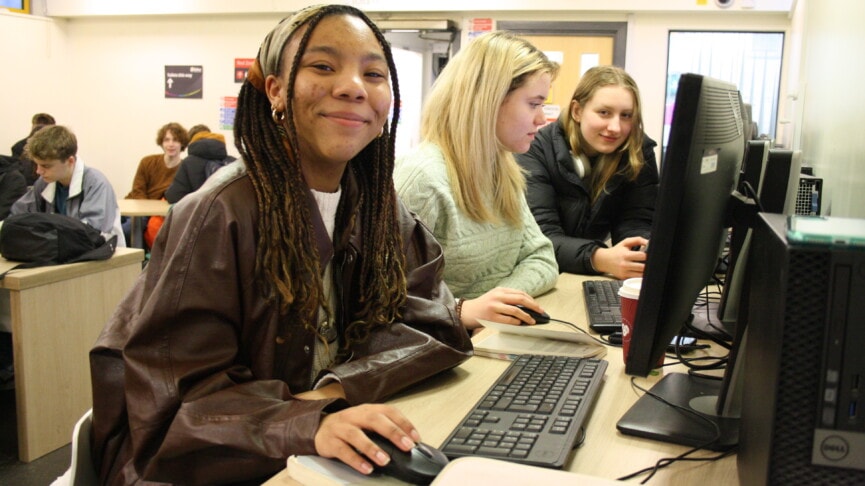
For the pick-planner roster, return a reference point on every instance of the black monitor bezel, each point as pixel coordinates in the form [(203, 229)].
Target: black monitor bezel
[(676, 271)]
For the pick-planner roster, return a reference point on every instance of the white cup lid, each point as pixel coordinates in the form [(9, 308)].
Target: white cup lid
[(631, 288)]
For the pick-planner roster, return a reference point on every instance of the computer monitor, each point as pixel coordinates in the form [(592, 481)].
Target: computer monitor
[(777, 185), (781, 181), (751, 129), (750, 186), (754, 166), (699, 176)]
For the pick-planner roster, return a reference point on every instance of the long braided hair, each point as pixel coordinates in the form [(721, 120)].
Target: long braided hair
[(287, 259)]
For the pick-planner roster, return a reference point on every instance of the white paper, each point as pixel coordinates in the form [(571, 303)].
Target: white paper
[(552, 330)]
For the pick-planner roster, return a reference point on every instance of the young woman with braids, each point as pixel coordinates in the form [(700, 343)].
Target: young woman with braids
[(287, 295), (592, 176)]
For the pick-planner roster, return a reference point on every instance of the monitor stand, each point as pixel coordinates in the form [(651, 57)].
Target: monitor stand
[(705, 319), (653, 419)]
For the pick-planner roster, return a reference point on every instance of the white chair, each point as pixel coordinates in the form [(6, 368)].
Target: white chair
[(81, 471)]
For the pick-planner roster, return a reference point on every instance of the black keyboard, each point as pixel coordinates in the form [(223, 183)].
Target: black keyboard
[(603, 307), (533, 414)]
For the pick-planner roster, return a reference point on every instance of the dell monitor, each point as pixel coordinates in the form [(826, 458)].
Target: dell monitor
[(698, 178), (777, 186), (718, 318), (750, 184), (781, 181)]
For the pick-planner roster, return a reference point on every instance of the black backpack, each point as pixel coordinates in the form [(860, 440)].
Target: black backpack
[(39, 239)]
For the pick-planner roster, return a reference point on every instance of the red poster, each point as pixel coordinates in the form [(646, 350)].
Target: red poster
[(241, 68)]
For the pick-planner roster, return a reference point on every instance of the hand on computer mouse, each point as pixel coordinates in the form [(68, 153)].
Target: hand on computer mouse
[(539, 317), (496, 305), (343, 434), (419, 466)]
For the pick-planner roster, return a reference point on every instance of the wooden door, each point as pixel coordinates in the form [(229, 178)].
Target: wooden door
[(576, 54)]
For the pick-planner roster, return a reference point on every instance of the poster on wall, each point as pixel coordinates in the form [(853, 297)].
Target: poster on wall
[(184, 81), (241, 69), (227, 109), (479, 26)]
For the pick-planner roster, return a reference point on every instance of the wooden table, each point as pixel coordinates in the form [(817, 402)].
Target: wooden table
[(437, 405), (57, 312), (137, 209)]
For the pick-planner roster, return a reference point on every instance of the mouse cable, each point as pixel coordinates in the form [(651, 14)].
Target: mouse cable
[(667, 461), (606, 339), (580, 329), (606, 342)]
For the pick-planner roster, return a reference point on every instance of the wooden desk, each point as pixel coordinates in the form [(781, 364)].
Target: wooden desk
[(437, 405), (138, 208), (57, 312)]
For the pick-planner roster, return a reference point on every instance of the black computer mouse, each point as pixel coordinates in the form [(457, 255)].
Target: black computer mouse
[(540, 318), (419, 466)]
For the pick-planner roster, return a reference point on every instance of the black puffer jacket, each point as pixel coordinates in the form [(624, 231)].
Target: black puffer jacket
[(561, 201), (193, 170), (12, 184)]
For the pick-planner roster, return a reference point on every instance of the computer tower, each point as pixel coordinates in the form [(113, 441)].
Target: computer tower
[(809, 198), (802, 413)]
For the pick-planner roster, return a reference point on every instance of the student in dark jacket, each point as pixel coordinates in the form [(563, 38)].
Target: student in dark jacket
[(592, 177), (12, 184), (26, 166), (207, 154)]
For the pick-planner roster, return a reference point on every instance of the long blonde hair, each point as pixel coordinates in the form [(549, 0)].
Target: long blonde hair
[(460, 118), (608, 164)]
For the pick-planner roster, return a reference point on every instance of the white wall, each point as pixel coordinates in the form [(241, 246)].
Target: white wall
[(103, 76), (831, 101), (121, 83), (180, 7), (33, 52)]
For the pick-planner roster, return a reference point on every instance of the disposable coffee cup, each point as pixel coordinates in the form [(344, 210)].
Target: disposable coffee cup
[(629, 293)]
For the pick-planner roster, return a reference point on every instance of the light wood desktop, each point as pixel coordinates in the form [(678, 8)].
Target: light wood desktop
[(136, 209), (57, 312), (437, 405)]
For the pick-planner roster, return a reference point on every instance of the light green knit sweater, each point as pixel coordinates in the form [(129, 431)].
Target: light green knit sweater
[(478, 256)]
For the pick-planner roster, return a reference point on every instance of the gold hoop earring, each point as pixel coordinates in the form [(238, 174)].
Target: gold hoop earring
[(278, 116)]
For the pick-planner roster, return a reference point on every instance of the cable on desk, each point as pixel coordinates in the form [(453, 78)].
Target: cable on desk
[(604, 339), (718, 362), (580, 329), (703, 300), (667, 461), (714, 362)]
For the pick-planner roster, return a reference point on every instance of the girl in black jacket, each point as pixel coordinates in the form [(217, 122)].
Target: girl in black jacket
[(592, 177)]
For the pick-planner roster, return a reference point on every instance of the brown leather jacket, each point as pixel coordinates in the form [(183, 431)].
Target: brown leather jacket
[(193, 375)]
